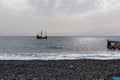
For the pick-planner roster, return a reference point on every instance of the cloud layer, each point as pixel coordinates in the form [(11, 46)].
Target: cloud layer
[(60, 17)]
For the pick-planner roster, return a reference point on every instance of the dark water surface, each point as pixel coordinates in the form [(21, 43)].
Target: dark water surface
[(29, 47)]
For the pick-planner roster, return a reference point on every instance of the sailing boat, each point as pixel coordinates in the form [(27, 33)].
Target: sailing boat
[(41, 36)]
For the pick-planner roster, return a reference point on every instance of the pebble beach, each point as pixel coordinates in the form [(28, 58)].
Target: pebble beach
[(83, 69)]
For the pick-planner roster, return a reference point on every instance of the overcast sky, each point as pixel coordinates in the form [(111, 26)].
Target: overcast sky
[(60, 17)]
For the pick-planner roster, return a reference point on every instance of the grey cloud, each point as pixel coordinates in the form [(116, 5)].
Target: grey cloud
[(81, 17), (65, 6)]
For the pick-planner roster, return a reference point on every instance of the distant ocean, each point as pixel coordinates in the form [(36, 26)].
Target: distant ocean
[(56, 48)]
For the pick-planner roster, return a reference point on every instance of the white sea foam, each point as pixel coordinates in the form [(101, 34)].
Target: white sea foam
[(59, 56)]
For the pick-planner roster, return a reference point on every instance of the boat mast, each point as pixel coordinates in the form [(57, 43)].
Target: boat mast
[(41, 33)]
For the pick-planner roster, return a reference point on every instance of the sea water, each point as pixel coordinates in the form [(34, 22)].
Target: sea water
[(56, 48)]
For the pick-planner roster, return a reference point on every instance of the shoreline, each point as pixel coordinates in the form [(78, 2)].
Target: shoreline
[(62, 56), (82, 69)]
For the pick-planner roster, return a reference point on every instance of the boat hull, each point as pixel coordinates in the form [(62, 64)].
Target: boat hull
[(37, 37)]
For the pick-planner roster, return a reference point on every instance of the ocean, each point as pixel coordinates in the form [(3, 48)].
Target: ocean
[(56, 48)]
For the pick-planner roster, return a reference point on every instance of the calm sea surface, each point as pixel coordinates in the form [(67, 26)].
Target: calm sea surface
[(56, 48)]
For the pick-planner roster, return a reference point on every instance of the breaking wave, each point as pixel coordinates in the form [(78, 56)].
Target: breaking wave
[(60, 56)]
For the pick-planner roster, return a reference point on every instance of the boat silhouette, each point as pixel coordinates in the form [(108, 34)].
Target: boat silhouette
[(41, 36)]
